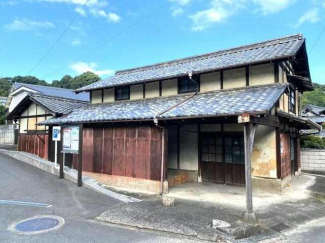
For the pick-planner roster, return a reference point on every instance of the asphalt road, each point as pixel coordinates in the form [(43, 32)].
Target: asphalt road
[(78, 206)]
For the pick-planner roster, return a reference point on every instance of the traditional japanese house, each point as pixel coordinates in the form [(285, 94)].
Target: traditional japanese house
[(316, 114), (194, 119), (35, 107)]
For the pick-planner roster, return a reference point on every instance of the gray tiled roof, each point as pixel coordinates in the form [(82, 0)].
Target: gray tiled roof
[(317, 119), (314, 109), (60, 106), (260, 52), (53, 91), (259, 99)]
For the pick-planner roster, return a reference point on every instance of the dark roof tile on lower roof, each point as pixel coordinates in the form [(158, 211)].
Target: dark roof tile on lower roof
[(259, 99)]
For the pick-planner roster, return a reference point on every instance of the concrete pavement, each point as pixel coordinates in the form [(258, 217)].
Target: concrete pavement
[(78, 206)]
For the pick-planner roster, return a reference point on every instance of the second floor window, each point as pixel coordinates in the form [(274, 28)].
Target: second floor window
[(186, 85), (292, 100), (122, 93)]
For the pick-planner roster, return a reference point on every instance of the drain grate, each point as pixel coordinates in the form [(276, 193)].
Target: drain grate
[(37, 225)]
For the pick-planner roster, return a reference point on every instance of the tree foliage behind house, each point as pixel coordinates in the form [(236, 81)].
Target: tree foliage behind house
[(66, 82), (316, 97)]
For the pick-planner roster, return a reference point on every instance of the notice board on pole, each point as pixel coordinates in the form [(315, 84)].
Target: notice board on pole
[(70, 140)]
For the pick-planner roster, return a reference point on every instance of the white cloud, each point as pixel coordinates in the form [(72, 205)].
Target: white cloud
[(28, 25), (81, 11), (177, 12), (219, 11), (111, 17), (76, 42), (181, 2), (310, 16), (81, 67), (272, 6)]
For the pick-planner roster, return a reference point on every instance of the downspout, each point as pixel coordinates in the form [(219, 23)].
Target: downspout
[(155, 120)]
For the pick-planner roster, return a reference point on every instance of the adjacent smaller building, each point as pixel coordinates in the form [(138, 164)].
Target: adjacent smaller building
[(36, 107), (316, 114)]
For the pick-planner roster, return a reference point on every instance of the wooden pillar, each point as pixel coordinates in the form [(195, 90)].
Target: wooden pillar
[(249, 134), (60, 151), (80, 155)]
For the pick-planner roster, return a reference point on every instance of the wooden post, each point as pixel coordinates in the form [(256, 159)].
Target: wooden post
[(249, 134), (62, 160), (80, 155)]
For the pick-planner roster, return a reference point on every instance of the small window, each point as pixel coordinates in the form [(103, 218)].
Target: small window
[(122, 93), (186, 85), (292, 101)]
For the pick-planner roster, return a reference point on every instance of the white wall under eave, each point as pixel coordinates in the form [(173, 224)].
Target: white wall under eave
[(96, 96), (152, 90), (136, 92), (210, 82), (235, 78), (189, 147), (17, 99), (261, 74)]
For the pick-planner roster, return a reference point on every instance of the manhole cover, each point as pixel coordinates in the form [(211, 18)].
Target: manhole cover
[(37, 225)]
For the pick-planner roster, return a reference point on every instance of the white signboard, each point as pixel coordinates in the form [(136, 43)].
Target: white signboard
[(56, 134), (71, 139)]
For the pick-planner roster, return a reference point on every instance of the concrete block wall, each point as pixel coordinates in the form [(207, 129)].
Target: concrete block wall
[(313, 160)]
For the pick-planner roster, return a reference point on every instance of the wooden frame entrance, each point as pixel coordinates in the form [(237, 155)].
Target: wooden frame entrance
[(222, 157)]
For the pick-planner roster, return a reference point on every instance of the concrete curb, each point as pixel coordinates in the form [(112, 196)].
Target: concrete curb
[(69, 174)]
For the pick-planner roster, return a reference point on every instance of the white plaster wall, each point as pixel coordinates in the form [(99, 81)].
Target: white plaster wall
[(96, 97), (17, 99), (169, 87), (189, 147), (23, 125), (40, 110), (109, 95), (172, 147), (152, 90), (235, 78), (261, 74), (210, 82), (136, 92), (32, 109)]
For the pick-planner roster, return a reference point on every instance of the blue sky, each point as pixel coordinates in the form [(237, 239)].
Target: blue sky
[(179, 29)]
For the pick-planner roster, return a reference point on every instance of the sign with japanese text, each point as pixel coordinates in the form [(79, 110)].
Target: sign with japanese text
[(70, 139)]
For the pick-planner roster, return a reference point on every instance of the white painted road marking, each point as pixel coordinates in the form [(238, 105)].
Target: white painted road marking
[(21, 203)]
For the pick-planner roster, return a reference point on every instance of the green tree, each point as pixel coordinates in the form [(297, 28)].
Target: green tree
[(5, 85), (2, 115), (28, 80), (83, 80)]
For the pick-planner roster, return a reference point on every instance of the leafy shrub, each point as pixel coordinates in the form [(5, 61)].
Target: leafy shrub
[(312, 142)]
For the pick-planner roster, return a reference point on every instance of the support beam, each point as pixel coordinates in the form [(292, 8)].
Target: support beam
[(80, 156), (249, 134)]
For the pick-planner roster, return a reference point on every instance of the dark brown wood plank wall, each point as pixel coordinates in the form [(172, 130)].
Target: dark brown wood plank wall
[(123, 151), (34, 144), (285, 155)]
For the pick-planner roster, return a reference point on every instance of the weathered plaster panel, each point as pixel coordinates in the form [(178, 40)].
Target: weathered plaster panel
[(234, 78), (172, 147), (136, 92), (109, 95), (210, 82), (189, 147), (261, 74), (40, 119), (152, 90), (169, 87), (32, 123), (264, 153), (96, 97)]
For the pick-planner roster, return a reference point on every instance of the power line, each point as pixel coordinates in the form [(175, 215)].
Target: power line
[(111, 39), (60, 37), (320, 35)]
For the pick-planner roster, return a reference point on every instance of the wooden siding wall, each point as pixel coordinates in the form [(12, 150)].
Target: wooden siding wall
[(123, 151), (35, 144), (285, 155)]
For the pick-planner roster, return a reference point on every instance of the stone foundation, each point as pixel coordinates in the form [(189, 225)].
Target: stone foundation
[(270, 185)]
